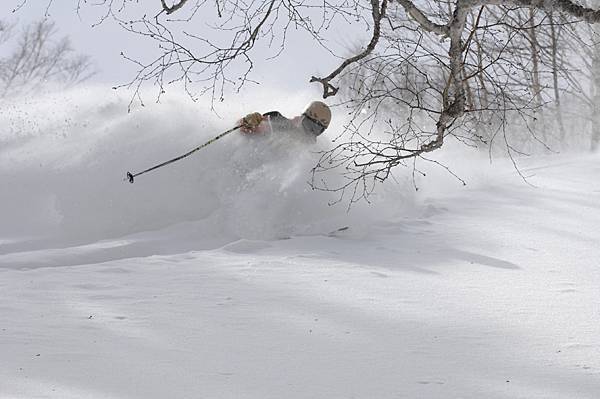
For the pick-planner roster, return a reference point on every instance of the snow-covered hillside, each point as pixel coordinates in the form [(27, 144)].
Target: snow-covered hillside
[(225, 276)]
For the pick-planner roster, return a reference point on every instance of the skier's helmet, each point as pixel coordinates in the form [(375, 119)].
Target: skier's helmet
[(317, 117)]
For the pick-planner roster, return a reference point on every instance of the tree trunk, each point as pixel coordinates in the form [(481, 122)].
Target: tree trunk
[(555, 69), (595, 142), (535, 72)]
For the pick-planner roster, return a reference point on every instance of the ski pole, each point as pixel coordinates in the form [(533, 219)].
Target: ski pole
[(130, 175)]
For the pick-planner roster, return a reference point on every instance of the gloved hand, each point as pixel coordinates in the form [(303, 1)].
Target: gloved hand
[(251, 121)]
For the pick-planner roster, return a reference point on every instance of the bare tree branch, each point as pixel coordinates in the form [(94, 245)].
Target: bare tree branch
[(378, 15), (174, 7), (419, 17)]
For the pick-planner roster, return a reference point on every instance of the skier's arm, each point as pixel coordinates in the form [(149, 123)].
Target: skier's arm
[(278, 122), (270, 121)]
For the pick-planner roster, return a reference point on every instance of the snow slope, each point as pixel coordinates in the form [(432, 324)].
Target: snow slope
[(222, 276)]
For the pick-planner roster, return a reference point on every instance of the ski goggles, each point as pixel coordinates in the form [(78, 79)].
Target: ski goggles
[(312, 125)]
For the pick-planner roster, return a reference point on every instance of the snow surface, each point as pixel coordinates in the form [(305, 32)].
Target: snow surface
[(223, 276)]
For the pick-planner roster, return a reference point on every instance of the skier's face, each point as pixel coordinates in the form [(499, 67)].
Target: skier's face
[(311, 125)]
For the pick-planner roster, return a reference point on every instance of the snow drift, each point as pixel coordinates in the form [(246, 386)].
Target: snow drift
[(63, 158)]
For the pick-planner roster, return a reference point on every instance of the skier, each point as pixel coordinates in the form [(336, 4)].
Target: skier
[(306, 127)]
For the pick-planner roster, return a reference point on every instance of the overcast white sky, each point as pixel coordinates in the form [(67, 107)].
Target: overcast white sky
[(104, 43)]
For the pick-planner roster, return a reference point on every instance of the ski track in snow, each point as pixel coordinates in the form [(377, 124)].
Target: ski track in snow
[(222, 277)]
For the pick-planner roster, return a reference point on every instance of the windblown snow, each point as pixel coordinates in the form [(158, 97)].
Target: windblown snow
[(225, 275)]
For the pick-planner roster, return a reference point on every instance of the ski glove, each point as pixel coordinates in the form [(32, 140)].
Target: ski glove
[(251, 121)]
